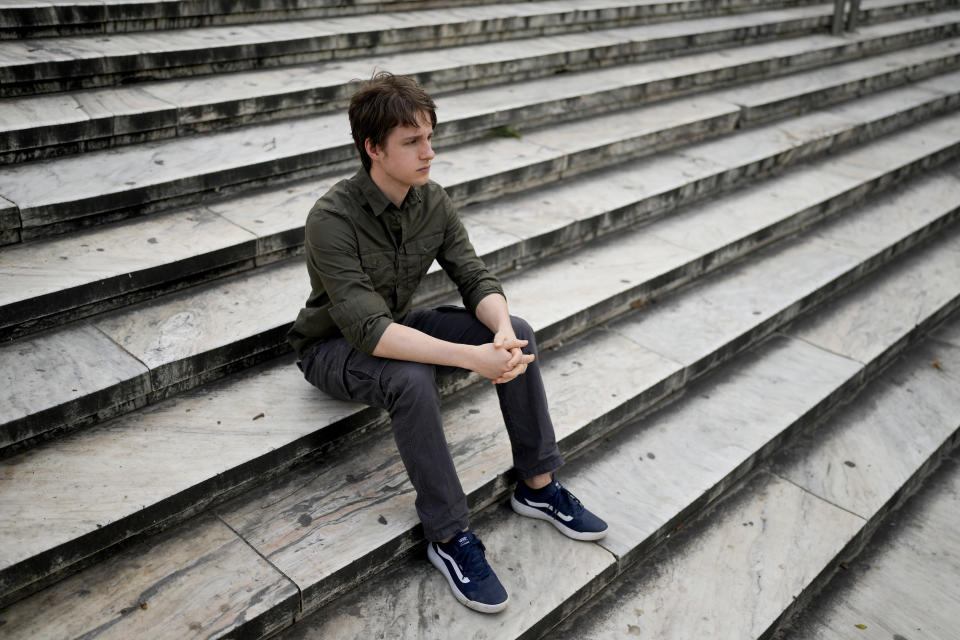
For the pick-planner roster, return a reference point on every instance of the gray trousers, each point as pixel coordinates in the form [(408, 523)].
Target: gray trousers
[(408, 391)]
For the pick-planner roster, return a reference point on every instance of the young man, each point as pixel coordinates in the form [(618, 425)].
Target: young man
[(369, 241)]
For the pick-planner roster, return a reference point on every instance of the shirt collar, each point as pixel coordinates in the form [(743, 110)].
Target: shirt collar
[(377, 200)]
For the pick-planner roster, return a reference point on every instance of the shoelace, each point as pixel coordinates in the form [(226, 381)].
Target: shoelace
[(472, 560), (562, 498)]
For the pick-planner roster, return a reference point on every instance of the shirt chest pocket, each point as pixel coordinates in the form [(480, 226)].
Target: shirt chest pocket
[(381, 268), (423, 250)]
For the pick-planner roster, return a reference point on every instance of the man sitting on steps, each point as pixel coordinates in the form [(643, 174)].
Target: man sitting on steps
[(369, 241)]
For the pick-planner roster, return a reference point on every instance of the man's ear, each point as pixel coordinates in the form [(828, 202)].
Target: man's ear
[(372, 150)]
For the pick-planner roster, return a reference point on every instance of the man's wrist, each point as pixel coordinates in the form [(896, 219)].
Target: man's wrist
[(468, 357)]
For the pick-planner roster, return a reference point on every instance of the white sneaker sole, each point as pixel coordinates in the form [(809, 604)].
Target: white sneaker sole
[(437, 561), (531, 512)]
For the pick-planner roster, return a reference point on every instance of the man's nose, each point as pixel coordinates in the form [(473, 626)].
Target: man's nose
[(426, 151)]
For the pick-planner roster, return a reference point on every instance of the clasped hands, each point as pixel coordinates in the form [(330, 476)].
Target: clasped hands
[(502, 360)]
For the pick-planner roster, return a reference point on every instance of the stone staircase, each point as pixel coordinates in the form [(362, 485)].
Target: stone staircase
[(732, 232), (903, 582)]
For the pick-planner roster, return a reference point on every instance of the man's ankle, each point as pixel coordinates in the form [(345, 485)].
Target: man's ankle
[(465, 529), (538, 482)]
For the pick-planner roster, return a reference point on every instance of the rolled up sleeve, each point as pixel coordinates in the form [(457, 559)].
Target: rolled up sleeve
[(361, 314), (459, 260)]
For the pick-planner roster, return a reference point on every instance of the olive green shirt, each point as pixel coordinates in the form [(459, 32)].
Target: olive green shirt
[(365, 258)]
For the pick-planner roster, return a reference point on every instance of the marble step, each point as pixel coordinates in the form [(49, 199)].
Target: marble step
[(799, 92), (45, 126), (257, 435), (36, 18), (59, 195), (324, 524), (39, 18), (41, 65), (120, 16), (751, 564), (169, 345), (904, 583), (114, 264)]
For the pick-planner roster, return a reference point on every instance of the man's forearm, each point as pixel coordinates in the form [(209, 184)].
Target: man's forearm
[(400, 342), (492, 312)]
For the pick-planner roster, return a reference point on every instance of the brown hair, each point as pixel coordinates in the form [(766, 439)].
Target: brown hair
[(385, 102)]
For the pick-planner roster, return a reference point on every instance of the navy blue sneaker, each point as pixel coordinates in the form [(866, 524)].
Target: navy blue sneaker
[(555, 504), (471, 579)]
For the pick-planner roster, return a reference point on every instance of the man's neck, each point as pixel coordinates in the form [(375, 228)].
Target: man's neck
[(395, 191)]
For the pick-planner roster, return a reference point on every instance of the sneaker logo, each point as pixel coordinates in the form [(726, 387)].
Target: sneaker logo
[(462, 541), (544, 505), (456, 569)]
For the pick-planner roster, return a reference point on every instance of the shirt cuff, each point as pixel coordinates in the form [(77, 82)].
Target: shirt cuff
[(362, 319), (475, 296)]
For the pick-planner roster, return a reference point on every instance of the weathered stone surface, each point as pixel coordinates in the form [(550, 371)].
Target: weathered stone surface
[(9, 222), (60, 112), (890, 307), (276, 217), (949, 333), (75, 187), (48, 277), (904, 585), (803, 270), (735, 307), (890, 110), (925, 144), (756, 553), (642, 479), (197, 581), (63, 378), (50, 120), (140, 176), (870, 449), (94, 488), (299, 41), (602, 278), (130, 109), (192, 333), (771, 98), (256, 95)]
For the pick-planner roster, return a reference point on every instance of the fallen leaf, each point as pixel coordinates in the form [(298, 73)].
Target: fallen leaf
[(382, 520), (936, 364), (860, 626), (143, 605), (506, 131), (258, 416), (639, 303)]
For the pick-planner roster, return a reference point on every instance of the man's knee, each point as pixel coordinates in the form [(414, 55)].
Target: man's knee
[(410, 382), (522, 329)]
